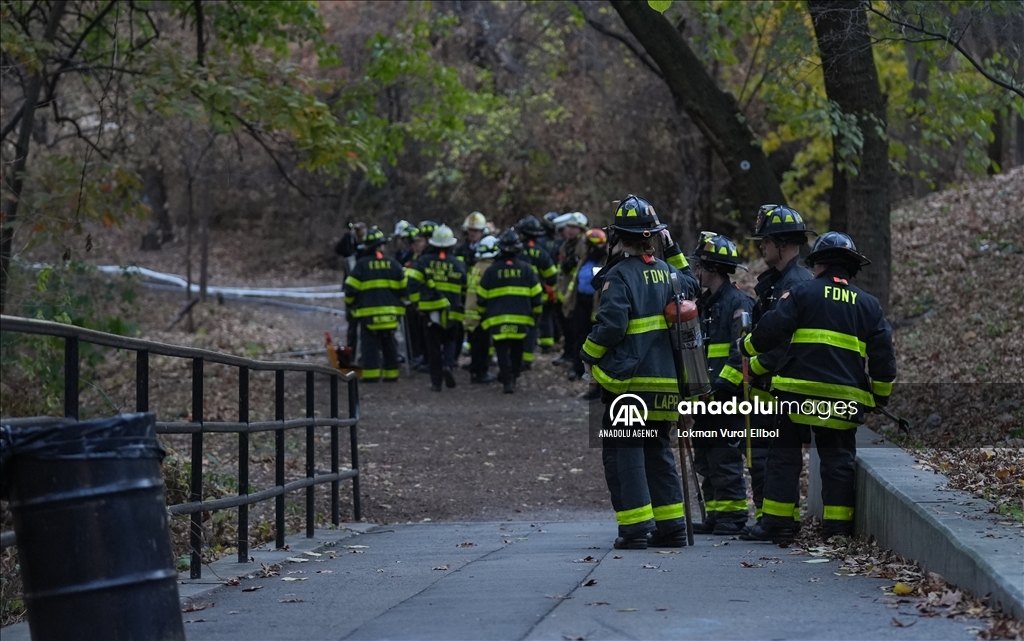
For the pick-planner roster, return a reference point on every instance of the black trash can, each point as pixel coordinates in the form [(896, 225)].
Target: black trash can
[(91, 521)]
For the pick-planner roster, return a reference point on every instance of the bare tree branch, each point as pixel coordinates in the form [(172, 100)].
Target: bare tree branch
[(600, 28), (255, 133), (955, 43)]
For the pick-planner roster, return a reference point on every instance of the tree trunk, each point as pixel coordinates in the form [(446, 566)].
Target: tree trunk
[(918, 71), (861, 187), (154, 195), (714, 111), (21, 149)]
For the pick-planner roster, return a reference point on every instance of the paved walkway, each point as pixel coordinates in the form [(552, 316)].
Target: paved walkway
[(545, 580)]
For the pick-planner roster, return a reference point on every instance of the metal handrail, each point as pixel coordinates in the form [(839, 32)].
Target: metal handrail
[(197, 427)]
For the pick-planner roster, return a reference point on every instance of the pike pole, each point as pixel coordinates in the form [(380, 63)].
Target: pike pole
[(744, 322)]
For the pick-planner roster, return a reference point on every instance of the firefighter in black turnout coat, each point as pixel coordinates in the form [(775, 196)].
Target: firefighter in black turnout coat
[(629, 351), (509, 302), (781, 233), (719, 460), (833, 327)]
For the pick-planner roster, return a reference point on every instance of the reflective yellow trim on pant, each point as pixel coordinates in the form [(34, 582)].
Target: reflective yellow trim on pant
[(758, 513), (837, 513), (647, 324), (546, 341), (796, 513), (509, 337), (834, 339), (433, 305), (636, 384), (775, 508), (508, 319), (390, 374), (731, 374), (827, 390), (718, 350), (593, 349), (834, 423), (737, 505), (756, 367), (509, 290), (527, 356), (881, 388), (634, 516), (371, 373), (748, 347), (666, 512)]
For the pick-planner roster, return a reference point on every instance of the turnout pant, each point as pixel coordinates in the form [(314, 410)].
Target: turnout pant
[(442, 348), (546, 328), (530, 344), (479, 360), (510, 358), (581, 325), (720, 463), (378, 342), (837, 450), (643, 481), (759, 449)]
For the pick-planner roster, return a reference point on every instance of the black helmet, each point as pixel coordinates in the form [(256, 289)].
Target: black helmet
[(508, 242), (836, 247), (718, 249), (776, 220), (373, 238), (636, 216), (426, 228), (530, 226), (549, 220)]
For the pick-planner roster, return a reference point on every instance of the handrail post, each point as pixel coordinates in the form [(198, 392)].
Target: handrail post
[(310, 453), (71, 375), (196, 492), (335, 484), (353, 412), (279, 456), (243, 464), (142, 380)]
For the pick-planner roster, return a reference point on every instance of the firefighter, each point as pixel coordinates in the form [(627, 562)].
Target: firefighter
[(509, 301), (551, 241), (475, 228), (582, 318), (719, 460), (438, 283), (531, 231), (479, 339), (573, 250), (823, 386), (374, 292), (405, 233), (781, 233), (629, 351)]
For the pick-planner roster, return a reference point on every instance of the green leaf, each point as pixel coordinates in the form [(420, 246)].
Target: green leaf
[(660, 5)]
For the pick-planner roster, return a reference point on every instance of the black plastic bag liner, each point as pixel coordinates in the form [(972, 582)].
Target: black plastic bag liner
[(91, 523)]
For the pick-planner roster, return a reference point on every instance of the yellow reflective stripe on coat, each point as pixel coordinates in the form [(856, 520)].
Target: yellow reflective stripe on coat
[(837, 513), (827, 390), (834, 339), (718, 350), (775, 508), (819, 421), (678, 261), (731, 374), (635, 384), (415, 274), (647, 324), (748, 347), (756, 367), (451, 288), (593, 349), (511, 319), (510, 290), (377, 283), (382, 310), (666, 512), (881, 388), (432, 305), (636, 515)]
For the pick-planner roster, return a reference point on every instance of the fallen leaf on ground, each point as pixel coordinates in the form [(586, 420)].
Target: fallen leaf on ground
[(902, 589), (252, 588), (291, 600), (440, 567), (899, 624), (295, 578)]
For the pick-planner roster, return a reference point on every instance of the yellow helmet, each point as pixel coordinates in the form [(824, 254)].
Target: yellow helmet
[(475, 221)]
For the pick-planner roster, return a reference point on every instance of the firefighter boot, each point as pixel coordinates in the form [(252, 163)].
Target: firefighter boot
[(769, 533), (675, 539), (631, 543)]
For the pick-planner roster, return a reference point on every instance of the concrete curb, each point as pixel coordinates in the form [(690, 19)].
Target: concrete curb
[(949, 532)]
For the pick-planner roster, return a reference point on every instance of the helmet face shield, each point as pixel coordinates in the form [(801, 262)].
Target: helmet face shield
[(717, 249), (635, 215)]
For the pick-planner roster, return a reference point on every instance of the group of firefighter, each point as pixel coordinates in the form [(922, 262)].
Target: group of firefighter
[(810, 339), (498, 295)]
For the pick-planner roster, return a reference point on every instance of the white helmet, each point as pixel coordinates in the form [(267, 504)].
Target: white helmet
[(442, 237), (576, 219), (400, 228), (475, 221), (488, 247)]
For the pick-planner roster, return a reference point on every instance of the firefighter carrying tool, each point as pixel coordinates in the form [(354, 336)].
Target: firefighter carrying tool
[(833, 327), (629, 352)]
